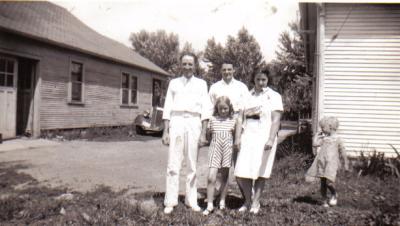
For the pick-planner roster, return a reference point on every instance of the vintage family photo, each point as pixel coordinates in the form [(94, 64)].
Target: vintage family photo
[(224, 112)]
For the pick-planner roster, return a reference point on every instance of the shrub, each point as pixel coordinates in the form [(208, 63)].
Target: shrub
[(378, 165)]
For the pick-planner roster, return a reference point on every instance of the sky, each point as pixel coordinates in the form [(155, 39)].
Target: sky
[(194, 21)]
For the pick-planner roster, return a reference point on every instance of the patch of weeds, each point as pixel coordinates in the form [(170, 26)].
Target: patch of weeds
[(378, 165)]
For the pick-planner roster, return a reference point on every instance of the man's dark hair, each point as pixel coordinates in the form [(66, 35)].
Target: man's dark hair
[(189, 54)]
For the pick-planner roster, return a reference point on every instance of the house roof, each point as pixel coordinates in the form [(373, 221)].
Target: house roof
[(48, 22)]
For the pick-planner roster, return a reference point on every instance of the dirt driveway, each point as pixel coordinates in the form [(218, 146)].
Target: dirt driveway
[(81, 165), (138, 165)]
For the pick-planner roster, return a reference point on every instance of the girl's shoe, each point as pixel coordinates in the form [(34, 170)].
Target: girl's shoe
[(333, 201), (207, 211), (243, 209), (325, 204)]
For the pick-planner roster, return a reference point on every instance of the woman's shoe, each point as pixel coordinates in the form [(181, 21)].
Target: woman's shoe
[(222, 205)]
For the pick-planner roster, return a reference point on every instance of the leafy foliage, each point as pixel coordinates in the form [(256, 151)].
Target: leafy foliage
[(242, 51), (378, 165), (293, 82), (159, 47)]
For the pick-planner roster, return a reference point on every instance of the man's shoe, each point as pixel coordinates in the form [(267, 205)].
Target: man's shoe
[(168, 210)]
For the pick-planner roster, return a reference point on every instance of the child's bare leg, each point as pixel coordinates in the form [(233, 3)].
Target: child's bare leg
[(331, 186), (324, 190), (224, 185), (212, 176)]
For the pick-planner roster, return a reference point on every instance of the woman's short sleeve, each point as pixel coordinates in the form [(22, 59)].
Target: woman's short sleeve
[(276, 102)]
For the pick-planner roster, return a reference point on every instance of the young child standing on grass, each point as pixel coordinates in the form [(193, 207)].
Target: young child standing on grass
[(330, 150), (221, 127)]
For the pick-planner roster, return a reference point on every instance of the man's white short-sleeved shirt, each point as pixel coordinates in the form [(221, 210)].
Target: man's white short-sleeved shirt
[(186, 95), (236, 91)]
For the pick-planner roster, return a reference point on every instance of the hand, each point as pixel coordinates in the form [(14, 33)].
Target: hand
[(346, 168), (268, 145), (236, 145), (203, 141), (165, 137)]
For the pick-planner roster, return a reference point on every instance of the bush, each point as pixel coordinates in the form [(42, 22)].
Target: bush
[(378, 165)]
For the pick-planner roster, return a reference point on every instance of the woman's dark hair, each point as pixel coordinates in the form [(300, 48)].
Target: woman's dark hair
[(264, 71), (227, 101)]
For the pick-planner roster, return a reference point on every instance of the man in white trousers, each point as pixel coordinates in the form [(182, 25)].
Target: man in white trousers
[(185, 115)]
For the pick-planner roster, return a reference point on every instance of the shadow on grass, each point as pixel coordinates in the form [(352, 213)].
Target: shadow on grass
[(306, 199), (232, 201)]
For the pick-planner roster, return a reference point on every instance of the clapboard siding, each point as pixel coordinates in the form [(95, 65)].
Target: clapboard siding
[(361, 80), (102, 103)]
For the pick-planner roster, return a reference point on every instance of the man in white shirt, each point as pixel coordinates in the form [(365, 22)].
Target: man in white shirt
[(228, 86), (238, 93), (185, 115)]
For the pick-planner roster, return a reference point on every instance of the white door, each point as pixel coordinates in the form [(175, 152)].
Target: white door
[(8, 96)]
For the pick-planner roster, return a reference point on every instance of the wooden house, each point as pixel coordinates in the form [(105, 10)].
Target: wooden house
[(353, 53), (58, 73)]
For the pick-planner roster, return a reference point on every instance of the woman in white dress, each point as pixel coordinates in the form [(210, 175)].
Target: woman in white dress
[(258, 141)]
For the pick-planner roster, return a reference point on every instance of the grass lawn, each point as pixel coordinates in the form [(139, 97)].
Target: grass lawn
[(287, 200)]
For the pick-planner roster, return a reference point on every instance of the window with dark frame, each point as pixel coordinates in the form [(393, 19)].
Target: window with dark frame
[(128, 89), (76, 82), (6, 72)]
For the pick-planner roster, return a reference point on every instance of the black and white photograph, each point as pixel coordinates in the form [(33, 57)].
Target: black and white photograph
[(189, 112)]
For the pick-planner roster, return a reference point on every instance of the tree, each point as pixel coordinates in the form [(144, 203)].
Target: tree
[(243, 51), (215, 54), (159, 47), (294, 83)]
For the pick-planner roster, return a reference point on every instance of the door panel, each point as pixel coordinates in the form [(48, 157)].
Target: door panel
[(8, 96)]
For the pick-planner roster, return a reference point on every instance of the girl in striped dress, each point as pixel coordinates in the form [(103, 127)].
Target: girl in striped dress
[(221, 127)]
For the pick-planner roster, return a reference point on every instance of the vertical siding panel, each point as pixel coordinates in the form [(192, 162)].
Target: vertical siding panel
[(361, 77)]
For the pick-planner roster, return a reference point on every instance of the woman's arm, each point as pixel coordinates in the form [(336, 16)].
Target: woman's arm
[(275, 123)]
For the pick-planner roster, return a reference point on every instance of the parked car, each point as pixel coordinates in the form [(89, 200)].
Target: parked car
[(150, 121)]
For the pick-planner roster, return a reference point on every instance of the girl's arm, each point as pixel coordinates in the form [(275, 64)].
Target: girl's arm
[(342, 153), (238, 131), (317, 141)]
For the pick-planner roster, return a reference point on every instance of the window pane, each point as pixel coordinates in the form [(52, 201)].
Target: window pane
[(2, 79), (133, 82), (76, 77), (76, 92), (76, 68), (2, 65), (10, 80), (125, 96), (125, 81), (133, 97), (10, 66)]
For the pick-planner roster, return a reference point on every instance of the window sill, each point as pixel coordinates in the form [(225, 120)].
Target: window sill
[(129, 106), (76, 103)]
